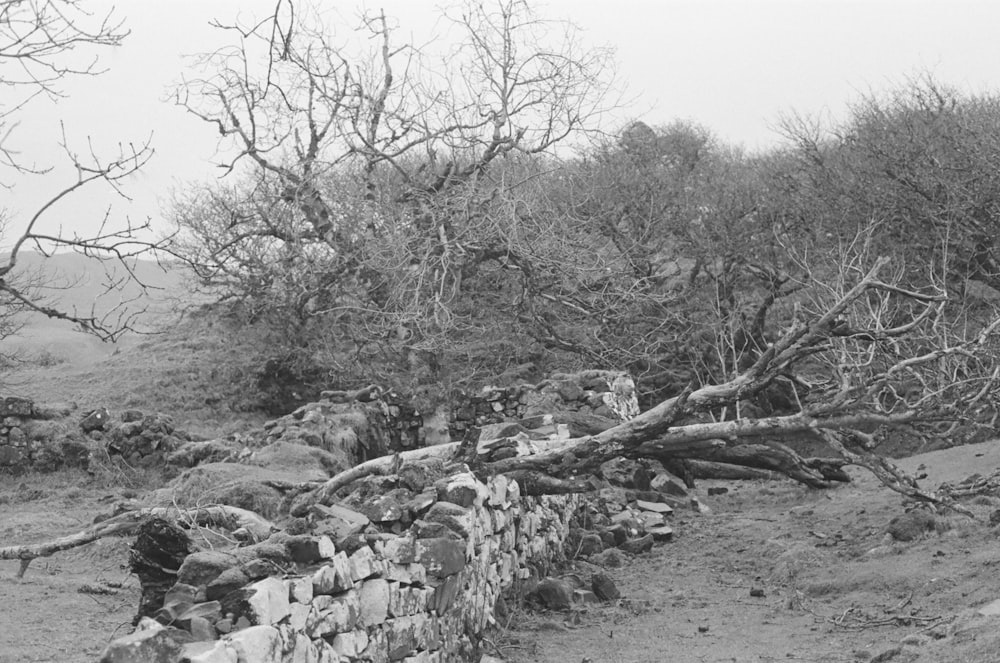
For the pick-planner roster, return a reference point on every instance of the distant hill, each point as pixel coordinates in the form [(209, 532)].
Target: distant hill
[(72, 282)]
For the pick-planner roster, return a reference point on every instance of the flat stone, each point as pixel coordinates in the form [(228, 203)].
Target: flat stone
[(339, 615), (256, 644), (374, 599), (363, 564), (268, 602), (149, 646), (990, 609), (661, 533), (400, 550), (201, 629), (441, 557), (384, 509), (403, 636), (201, 568), (604, 587), (350, 644), (228, 581), (668, 484), (300, 590), (333, 577), (208, 652), (457, 518), (655, 507), (639, 545), (584, 596), (462, 489)]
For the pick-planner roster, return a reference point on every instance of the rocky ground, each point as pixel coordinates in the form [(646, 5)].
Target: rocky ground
[(774, 572)]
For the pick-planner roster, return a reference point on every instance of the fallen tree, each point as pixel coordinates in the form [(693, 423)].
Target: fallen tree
[(862, 363), (217, 515)]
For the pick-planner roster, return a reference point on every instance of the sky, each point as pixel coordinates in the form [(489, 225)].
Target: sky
[(733, 66)]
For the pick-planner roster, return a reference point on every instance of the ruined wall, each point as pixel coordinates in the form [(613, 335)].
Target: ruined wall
[(605, 394), (425, 594), (30, 440)]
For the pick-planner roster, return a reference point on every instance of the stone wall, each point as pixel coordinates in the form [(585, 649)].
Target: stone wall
[(605, 394), (31, 440), (425, 594)]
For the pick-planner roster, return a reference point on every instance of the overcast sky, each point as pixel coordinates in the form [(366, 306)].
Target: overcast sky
[(731, 65)]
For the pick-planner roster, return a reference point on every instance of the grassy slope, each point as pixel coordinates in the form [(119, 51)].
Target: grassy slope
[(191, 368)]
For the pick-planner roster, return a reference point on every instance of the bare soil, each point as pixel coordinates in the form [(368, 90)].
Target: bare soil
[(776, 572)]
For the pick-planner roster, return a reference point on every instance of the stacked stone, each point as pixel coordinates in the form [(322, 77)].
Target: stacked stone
[(601, 393), (426, 595), (143, 440), (15, 447), (363, 430)]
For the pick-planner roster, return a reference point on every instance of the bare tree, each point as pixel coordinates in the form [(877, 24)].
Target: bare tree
[(42, 43), (372, 179)]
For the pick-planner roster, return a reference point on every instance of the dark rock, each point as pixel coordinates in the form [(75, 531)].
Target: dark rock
[(718, 490), (95, 420), (590, 544), (414, 476), (132, 415), (423, 529), (456, 518), (995, 518), (12, 406), (445, 593), (639, 545), (384, 509), (441, 557), (609, 559), (668, 484), (203, 567), (230, 580), (604, 587), (553, 594), (160, 549), (661, 533), (911, 525)]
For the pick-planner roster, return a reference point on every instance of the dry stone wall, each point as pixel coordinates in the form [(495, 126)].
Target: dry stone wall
[(423, 595), (607, 394), (31, 440)]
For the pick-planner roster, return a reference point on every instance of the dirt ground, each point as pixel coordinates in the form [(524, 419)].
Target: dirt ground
[(832, 585), (776, 572)]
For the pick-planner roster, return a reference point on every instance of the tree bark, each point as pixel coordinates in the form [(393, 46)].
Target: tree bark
[(228, 517)]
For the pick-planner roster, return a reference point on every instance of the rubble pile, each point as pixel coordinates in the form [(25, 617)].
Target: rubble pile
[(606, 394)]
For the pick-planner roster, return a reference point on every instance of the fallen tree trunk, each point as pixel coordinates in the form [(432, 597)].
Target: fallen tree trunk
[(228, 517), (813, 472)]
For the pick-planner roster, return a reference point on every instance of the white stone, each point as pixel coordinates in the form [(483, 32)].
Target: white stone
[(208, 652), (340, 615), (303, 651), (256, 644), (299, 616), (326, 547), (990, 609), (374, 596), (350, 644), (269, 601), (334, 577), (300, 590), (362, 564)]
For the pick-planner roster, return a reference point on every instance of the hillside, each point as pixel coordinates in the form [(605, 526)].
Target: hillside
[(177, 362)]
